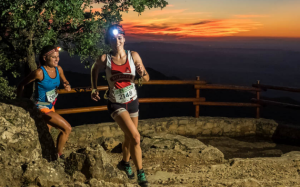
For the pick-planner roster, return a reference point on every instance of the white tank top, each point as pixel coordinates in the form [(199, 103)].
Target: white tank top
[(120, 80)]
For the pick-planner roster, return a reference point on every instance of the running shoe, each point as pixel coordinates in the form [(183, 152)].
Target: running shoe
[(127, 168), (142, 181)]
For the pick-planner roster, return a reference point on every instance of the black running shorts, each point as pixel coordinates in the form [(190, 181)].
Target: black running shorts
[(116, 109)]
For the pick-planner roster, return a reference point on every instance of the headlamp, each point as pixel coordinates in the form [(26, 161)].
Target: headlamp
[(115, 32), (58, 48)]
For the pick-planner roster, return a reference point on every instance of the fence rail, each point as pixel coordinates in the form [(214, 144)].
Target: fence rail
[(207, 103), (275, 103), (227, 87), (197, 100), (265, 87), (154, 82)]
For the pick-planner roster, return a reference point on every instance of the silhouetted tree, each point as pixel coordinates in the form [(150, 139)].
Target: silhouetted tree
[(28, 25)]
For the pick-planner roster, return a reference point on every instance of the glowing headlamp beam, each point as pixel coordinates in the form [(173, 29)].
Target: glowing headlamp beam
[(115, 32)]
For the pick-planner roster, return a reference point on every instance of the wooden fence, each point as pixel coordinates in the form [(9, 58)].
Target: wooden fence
[(197, 100), (263, 102)]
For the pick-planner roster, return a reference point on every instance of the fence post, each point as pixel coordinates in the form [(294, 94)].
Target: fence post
[(258, 97), (197, 107)]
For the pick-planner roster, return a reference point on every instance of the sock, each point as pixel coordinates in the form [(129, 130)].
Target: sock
[(125, 163), (140, 171)]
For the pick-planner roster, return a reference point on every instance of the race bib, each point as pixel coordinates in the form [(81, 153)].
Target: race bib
[(51, 95), (125, 95)]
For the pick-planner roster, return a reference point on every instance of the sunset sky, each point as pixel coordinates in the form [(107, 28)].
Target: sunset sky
[(192, 19)]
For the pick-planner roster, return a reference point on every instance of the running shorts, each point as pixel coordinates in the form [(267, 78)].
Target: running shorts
[(45, 109), (116, 109)]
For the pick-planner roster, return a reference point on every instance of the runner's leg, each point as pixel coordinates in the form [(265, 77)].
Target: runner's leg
[(55, 120), (130, 130), (49, 127), (126, 143)]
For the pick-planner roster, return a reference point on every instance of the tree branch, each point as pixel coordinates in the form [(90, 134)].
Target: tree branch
[(42, 6), (10, 45)]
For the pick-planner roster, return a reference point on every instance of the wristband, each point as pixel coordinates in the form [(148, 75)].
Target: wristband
[(144, 73)]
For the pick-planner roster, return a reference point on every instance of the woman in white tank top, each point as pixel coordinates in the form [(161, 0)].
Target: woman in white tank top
[(121, 67)]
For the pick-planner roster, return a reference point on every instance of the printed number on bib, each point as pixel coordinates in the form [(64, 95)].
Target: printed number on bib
[(51, 95), (124, 95)]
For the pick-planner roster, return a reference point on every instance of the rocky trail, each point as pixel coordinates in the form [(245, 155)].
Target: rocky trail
[(185, 167), (27, 155)]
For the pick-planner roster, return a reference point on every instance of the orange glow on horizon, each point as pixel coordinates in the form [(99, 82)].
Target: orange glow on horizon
[(195, 19), (205, 28)]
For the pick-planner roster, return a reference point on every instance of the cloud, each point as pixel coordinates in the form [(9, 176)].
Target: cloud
[(195, 13), (251, 16), (201, 22), (166, 11), (203, 28)]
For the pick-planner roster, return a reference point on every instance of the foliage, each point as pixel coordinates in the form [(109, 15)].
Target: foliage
[(6, 91), (28, 25)]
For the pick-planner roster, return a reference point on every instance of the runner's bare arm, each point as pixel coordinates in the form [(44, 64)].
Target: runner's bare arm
[(36, 74), (97, 66), (140, 68), (63, 79)]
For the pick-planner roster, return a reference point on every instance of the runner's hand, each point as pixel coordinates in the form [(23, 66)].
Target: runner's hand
[(95, 95), (140, 70), (67, 87)]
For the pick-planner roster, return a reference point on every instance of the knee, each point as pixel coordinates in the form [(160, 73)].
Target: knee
[(68, 130), (135, 140)]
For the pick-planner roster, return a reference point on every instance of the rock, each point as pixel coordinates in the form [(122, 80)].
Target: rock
[(79, 177), (227, 128), (95, 183), (45, 174), (94, 162), (208, 126), (272, 152), (75, 162), (80, 184), (212, 154), (206, 132), (168, 141), (10, 175), (247, 183), (161, 175), (216, 131), (183, 122), (111, 143), (161, 145), (24, 138), (31, 137)]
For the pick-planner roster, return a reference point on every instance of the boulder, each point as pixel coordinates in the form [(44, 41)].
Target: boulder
[(22, 130), (44, 173), (162, 145), (94, 162)]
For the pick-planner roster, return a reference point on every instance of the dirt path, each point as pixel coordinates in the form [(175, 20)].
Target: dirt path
[(249, 162), (248, 147)]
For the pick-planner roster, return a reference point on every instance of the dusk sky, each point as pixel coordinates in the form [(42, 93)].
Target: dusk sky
[(191, 19)]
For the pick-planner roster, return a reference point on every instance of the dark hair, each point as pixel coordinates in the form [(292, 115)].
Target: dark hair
[(109, 31), (45, 50)]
